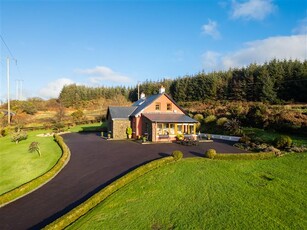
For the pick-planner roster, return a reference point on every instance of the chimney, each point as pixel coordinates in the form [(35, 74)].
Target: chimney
[(143, 96), (161, 90)]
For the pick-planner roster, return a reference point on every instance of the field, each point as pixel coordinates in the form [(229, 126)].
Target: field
[(18, 166), (210, 194)]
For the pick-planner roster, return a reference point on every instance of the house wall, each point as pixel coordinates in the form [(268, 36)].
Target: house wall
[(153, 132), (147, 127), (136, 125), (163, 100), (119, 129)]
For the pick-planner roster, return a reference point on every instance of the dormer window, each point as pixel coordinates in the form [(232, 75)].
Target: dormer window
[(169, 106), (158, 106)]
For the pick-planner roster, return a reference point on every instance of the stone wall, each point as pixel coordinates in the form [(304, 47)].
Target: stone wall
[(119, 129)]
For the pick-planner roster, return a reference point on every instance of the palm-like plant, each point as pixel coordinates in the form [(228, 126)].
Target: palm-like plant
[(34, 147), (233, 126)]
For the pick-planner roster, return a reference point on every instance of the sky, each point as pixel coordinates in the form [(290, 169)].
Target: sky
[(52, 43)]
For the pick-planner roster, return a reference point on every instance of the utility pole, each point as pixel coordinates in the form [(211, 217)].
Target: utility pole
[(8, 91)]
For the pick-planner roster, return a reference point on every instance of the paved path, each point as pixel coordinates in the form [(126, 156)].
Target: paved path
[(94, 163)]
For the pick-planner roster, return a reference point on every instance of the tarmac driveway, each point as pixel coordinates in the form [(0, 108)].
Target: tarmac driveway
[(94, 163)]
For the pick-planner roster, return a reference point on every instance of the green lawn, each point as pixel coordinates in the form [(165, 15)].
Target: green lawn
[(18, 166), (95, 127), (210, 194)]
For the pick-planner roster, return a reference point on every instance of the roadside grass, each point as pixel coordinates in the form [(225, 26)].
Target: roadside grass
[(269, 136), (94, 127), (18, 166), (198, 193)]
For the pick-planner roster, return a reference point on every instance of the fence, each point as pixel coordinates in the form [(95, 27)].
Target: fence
[(217, 136)]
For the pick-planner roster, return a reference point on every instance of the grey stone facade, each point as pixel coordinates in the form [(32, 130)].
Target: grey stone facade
[(118, 128)]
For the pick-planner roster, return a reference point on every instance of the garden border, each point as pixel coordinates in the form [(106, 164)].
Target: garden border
[(38, 182), (245, 156), (100, 196)]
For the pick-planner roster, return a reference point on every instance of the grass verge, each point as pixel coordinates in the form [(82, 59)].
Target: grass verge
[(245, 156), (35, 183), (198, 193), (83, 208)]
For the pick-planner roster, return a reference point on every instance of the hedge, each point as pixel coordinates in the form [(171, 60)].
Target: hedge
[(94, 200), (245, 156), (36, 183)]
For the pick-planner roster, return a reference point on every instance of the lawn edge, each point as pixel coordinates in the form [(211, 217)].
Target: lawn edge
[(41, 180), (104, 193)]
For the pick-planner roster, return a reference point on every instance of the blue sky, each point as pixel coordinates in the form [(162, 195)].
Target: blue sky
[(109, 43)]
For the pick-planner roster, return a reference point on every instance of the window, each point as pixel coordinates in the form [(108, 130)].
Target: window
[(160, 129), (191, 129), (172, 128), (169, 106), (165, 129), (158, 106), (179, 129)]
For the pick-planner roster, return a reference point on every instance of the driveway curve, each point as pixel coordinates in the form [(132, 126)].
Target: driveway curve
[(94, 164)]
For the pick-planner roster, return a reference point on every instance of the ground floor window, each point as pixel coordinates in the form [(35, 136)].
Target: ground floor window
[(175, 128)]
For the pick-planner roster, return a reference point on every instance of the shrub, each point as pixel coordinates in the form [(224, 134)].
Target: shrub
[(19, 136), (180, 136), (177, 155), (210, 118), (198, 117), (77, 116), (283, 142), (4, 132), (129, 131), (210, 153), (221, 121), (246, 156), (233, 126), (245, 139)]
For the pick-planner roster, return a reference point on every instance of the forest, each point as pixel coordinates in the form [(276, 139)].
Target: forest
[(274, 82)]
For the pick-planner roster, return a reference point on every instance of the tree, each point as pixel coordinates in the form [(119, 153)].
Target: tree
[(77, 116), (19, 136), (34, 147)]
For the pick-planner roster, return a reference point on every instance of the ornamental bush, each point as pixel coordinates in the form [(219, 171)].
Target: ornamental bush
[(177, 155), (221, 121), (283, 142), (209, 119), (210, 153), (19, 136)]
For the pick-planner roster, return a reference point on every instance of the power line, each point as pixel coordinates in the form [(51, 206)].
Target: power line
[(8, 48)]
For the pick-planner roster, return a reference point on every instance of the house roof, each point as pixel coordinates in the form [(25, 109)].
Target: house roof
[(120, 112), (169, 117), (143, 103)]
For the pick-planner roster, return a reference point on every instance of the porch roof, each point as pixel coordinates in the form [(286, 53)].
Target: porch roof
[(169, 118)]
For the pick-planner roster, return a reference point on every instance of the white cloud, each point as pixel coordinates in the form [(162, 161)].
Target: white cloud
[(53, 89), (211, 29), (260, 51), (301, 27), (252, 9), (101, 74)]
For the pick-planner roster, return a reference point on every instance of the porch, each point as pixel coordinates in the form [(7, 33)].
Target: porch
[(166, 127)]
